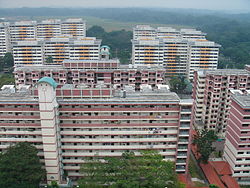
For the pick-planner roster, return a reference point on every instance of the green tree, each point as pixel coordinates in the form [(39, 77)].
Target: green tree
[(20, 167), (6, 79), (49, 59), (204, 140), (1, 64), (129, 171), (53, 184), (96, 31), (178, 84), (8, 61), (118, 41), (213, 186)]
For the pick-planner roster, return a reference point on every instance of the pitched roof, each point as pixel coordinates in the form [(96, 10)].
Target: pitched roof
[(230, 181), (48, 80), (221, 167), (211, 175)]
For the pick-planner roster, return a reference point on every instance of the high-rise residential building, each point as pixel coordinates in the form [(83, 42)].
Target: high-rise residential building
[(58, 49), (183, 50), (70, 123), (202, 55), (237, 144), (87, 48), (47, 29), (23, 30), (147, 51), (91, 73), (143, 31), (193, 35), (4, 39), (74, 27), (167, 32), (175, 56), (11, 33), (211, 94), (28, 53)]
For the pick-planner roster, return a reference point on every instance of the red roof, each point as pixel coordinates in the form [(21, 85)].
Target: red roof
[(230, 181), (183, 178), (221, 167), (211, 175)]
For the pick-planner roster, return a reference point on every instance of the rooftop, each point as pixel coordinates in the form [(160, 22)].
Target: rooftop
[(106, 69), (221, 167), (48, 80), (242, 99), (147, 95), (223, 72)]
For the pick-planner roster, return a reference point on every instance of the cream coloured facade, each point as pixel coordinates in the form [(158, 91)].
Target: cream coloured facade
[(23, 30), (12, 33), (74, 27), (202, 55), (4, 39), (59, 49), (28, 53), (183, 50), (47, 29)]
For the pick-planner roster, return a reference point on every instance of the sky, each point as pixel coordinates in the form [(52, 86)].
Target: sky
[(195, 4)]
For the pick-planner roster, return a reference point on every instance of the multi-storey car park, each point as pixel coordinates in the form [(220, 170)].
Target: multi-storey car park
[(67, 124), (237, 145), (180, 51), (212, 96)]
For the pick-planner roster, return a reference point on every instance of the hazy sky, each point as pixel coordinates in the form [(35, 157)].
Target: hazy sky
[(197, 4)]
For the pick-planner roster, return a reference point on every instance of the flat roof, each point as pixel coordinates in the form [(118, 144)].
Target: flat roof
[(223, 72), (242, 99)]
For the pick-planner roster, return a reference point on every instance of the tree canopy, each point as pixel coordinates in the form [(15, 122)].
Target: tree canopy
[(8, 60), (204, 140), (20, 167), (178, 84), (118, 41), (129, 171), (49, 59), (6, 79)]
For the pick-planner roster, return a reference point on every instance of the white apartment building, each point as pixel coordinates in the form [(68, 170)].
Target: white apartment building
[(11, 33), (74, 27), (4, 39), (28, 53), (87, 48), (57, 48), (37, 52), (23, 30), (175, 56), (47, 29), (202, 55), (167, 32), (143, 31), (147, 51), (184, 50), (192, 34)]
